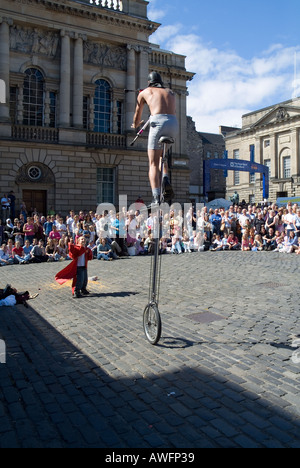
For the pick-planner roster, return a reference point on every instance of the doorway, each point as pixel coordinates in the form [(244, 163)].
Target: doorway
[(35, 200)]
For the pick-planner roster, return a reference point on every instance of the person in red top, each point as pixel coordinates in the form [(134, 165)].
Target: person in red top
[(77, 270), (18, 254), (233, 242)]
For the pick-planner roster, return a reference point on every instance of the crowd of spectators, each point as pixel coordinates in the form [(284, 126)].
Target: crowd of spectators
[(34, 238)]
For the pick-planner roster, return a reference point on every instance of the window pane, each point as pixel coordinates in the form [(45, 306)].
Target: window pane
[(33, 102), (287, 167), (102, 107), (105, 185)]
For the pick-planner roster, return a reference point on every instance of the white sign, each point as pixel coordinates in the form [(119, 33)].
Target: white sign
[(2, 352), (2, 92)]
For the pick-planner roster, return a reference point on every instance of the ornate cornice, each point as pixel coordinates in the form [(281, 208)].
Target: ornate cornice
[(94, 13)]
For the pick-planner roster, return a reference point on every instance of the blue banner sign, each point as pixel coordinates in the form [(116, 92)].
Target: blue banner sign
[(236, 165)]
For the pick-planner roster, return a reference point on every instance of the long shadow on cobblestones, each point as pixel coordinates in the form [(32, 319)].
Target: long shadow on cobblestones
[(53, 395)]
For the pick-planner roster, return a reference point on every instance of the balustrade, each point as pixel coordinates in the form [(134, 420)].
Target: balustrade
[(41, 134), (116, 5), (106, 140)]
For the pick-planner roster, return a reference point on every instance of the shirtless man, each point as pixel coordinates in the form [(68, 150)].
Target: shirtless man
[(163, 122)]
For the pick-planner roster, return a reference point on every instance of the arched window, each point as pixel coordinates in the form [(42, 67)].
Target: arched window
[(102, 107), (33, 98)]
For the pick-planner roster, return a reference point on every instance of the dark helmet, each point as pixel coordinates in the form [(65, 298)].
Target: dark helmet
[(154, 79)]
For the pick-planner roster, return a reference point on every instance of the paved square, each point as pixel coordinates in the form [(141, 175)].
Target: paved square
[(80, 373)]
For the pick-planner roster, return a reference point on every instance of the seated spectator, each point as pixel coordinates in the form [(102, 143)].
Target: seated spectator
[(258, 243), (217, 245), (5, 258), (27, 248), (176, 243), (233, 242), (290, 243), (93, 247), (51, 250), (104, 252), (245, 243), (225, 241), (270, 240), (19, 255), (38, 253), (62, 250)]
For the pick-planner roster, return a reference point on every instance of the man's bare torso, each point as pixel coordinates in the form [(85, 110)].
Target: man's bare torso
[(159, 100)]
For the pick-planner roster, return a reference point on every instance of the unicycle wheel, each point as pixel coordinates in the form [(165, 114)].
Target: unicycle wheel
[(152, 323)]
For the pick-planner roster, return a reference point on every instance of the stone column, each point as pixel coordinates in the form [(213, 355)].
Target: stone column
[(65, 81), (4, 66), (131, 88), (78, 83), (143, 67)]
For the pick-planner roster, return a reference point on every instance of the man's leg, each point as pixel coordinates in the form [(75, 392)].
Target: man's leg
[(154, 172), (154, 176)]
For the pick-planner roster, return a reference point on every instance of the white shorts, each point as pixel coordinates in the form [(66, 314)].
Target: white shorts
[(161, 125)]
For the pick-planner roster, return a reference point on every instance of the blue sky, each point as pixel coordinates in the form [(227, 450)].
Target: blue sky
[(246, 54)]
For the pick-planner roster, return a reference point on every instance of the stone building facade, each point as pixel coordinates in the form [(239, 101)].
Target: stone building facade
[(275, 134), (201, 147), (72, 71)]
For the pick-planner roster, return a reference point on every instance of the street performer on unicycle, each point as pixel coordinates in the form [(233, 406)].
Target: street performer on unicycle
[(163, 130), (163, 122)]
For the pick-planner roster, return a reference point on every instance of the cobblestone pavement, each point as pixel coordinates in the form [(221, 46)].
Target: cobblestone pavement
[(80, 373)]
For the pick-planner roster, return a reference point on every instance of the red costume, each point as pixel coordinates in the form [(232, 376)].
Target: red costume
[(70, 272)]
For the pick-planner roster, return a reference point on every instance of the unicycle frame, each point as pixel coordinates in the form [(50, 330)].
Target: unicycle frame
[(151, 318)]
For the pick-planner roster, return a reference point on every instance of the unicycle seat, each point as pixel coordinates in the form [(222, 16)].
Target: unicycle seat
[(165, 140)]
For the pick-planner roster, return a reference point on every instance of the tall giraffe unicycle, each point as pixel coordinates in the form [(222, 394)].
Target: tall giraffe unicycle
[(151, 318)]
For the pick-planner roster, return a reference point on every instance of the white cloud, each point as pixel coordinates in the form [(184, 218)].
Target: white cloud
[(154, 12), (227, 85)]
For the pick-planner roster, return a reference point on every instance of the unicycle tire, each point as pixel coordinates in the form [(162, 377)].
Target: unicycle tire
[(152, 323)]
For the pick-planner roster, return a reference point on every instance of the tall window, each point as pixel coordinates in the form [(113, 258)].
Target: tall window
[(287, 167), (102, 107), (33, 100), (105, 185), (236, 155), (52, 109)]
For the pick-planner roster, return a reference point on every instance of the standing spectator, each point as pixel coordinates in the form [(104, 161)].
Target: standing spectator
[(29, 230), (290, 220), (17, 233), (54, 234), (48, 226), (271, 220), (12, 198), (5, 206), (215, 220)]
